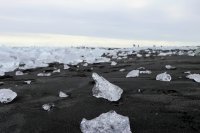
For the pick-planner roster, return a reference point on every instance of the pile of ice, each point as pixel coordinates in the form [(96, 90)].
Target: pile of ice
[(195, 77), (163, 77), (133, 73), (7, 95), (109, 122), (105, 89)]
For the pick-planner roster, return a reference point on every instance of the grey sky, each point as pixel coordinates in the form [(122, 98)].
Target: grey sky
[(164, 20)]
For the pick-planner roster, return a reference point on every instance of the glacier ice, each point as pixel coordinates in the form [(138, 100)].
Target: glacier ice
[(7, 95), (163, 77), (195, 77), (133, 73), (109, 122), (105, 89)]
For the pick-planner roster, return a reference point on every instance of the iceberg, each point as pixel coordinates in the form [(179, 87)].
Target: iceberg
[(163, 77), (109, 122), (105, 89), (7, 95), (133, 73), (195, 77)]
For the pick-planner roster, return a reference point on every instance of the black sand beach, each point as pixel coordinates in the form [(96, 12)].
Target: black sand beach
[(159, 107)]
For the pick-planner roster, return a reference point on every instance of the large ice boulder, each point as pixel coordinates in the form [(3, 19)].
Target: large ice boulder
[(109, 122), (133, 73), (163, 77), (195, 77), (105, 89), (7, 95)]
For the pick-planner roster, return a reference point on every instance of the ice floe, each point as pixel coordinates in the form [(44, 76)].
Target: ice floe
[(62, 94), (133, 73), (109, 122), (195, 77), (7, 95), (105, 89), (163, 77)]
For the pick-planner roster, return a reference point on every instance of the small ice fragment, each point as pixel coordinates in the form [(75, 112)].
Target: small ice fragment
[(48, 106), (85, 64), (163, 77), (122, 70), (169, 67), (133, 73), (109, 122), (44, 74), (62, 94), (188, 72), (139, 55), (195, 77), (66, 66), (105, 89), (56, 71), (28, 82), (113, 63), (139, 90), (145, 72), (19, 73), (141, 68), (7, 95)]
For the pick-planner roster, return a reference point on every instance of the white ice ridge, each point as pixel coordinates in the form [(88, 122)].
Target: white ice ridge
[(105, 89), (195, 77), (23, 58), (133, 73), (109, 122), (7, 95), (163, 77)]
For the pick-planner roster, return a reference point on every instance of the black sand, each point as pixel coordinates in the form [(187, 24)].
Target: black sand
[(160, 107)]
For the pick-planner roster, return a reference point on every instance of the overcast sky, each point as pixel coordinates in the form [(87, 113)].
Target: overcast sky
[(155, 20)]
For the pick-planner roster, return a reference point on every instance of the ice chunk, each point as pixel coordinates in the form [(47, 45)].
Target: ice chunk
[(85, 64), (195, 77), (18, 73), (170, 67), (109, 122), (145, 72), (48, 106), (133, 73), (28, 82), (7, 95), (105, 89), (44, 74), (122, 70), (163, 77), (188, 72), (56, 71), (62, 94), (139, 55), (113, 63), (66, 66)]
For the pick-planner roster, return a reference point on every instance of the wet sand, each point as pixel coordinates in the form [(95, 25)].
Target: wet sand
[(160, 107)]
